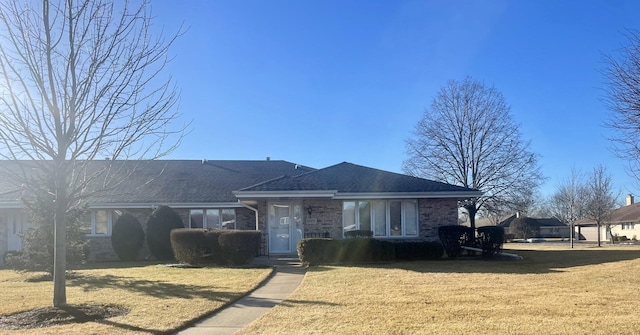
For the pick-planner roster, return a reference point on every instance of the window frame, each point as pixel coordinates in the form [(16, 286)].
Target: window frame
[(93, 219), (373, 216), (205, 218)]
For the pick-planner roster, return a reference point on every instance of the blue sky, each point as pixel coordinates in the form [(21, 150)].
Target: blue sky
[(321, 82)]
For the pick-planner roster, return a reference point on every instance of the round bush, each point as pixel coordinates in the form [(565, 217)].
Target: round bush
[(189, 245), (161, 222), (127, 237)]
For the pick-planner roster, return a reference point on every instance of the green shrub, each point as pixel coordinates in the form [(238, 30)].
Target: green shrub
[(316, 251), (241, 246), (189, 245), (418, 250), (38, 242), (491, 239), (454, 237), (358, 233), (127, 237), (161, 222), (214, 253)]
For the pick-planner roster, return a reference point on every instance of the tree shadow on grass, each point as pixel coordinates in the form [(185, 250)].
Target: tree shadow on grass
[(156, 289), (533, 262)]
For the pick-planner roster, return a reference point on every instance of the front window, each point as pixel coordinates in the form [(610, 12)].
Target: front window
[(99, 222), (212, 218), (386, 218)]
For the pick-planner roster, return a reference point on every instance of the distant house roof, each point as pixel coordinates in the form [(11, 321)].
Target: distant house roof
[(176, 181), (626, 214), (535, 222), (347, 180)]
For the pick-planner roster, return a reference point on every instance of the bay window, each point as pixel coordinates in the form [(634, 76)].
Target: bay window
[(386, 218)]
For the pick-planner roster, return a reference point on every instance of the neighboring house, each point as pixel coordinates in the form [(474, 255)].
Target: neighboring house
[(283, 200), (545, 227), (625, 221)]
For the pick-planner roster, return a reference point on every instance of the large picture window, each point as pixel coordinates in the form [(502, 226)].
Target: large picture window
[(212, 218), (386, 218)]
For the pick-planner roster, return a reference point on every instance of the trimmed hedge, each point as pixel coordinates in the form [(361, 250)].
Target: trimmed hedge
[(454, 237), (189, 245), (159, 226), (127, 237), (204, 246), (317, 251), (241, 246), (491, 239)]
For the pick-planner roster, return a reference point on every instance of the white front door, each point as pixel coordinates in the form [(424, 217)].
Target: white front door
[(285, 227), (15, 227)]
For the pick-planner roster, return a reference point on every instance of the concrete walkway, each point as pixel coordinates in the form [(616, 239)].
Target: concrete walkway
[(288, 275)]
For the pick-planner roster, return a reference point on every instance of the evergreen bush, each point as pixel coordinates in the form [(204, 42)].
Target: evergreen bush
[(454, 237), (241, 246), (189, 245), (159, 226), (491, 239), (127, 237)]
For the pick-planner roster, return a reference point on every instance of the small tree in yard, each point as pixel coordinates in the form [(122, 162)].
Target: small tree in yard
[(521, 228), (601, 201), (37, 241), (80, 80), (161, 222)]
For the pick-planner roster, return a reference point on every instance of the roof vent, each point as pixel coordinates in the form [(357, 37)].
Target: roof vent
[(204, 161), (296, 167), (268, 159), (629, 199)]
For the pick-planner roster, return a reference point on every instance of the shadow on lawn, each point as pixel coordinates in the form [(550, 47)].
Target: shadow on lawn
[(155, 289), (534, 261)]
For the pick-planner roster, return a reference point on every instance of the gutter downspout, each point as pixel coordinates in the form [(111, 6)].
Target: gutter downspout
[(253, 209)]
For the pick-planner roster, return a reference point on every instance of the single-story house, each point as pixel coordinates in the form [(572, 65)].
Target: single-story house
[(624, 221), (283, 200), (546, 227)]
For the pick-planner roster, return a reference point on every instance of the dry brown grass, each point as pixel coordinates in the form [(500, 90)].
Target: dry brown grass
[(159, 298), (553, 290)]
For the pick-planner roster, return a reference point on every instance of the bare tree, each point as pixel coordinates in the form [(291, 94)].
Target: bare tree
[(80, 80), (569, 203), (622, 96), (601, 200), (469, 138)]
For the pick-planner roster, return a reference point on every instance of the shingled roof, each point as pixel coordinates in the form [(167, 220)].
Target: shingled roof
[(626, 214), (177, 181), (534, 222), (347, 178)]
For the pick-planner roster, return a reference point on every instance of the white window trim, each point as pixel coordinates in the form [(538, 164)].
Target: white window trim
[(205, 222), (387, 217), (93, 222)]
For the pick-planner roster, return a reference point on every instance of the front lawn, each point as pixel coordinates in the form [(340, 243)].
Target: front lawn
[(158, 298), (553, 290)]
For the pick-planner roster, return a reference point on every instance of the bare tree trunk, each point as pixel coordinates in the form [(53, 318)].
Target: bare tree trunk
[(472, 210), (599, 237), (60, 235)]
